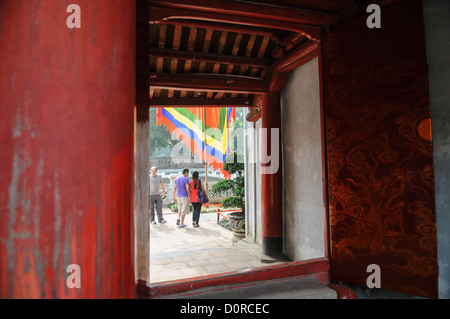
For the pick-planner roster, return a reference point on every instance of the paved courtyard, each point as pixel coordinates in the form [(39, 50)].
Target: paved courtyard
[(178, 253)]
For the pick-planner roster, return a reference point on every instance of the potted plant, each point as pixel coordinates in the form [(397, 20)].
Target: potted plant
[(236, 219)]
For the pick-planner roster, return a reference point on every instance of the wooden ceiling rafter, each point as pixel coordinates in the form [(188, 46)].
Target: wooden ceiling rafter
[(223, 27), (228, 51)]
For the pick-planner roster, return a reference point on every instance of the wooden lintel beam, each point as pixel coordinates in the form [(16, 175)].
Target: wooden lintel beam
[(322, 5), (221, 27), (209, 57), (208, 83), (159, 15), (252, 10), (204, 102)]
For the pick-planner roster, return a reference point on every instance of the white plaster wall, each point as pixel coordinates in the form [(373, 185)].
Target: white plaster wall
[(302, 164), (253, 182)]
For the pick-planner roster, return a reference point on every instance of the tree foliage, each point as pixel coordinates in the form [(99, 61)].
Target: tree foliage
[(160, 137), (238, 183)]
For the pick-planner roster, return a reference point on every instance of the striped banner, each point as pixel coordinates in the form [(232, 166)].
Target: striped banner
[(187, 123)]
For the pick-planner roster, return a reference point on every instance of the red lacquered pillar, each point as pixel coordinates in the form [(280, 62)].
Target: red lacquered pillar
[(66, 138), (271, 177)]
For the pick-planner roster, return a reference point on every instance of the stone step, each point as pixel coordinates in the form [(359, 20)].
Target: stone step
[(286, 288)]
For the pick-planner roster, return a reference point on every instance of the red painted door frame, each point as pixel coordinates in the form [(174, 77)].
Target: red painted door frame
[(56, 91)]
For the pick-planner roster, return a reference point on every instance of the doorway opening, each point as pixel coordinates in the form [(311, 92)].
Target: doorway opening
[(213, 248), (197, 62)]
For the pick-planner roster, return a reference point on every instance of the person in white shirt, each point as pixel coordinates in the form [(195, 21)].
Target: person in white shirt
[(155, 196)]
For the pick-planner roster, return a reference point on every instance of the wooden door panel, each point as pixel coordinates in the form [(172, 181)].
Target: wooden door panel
[(379, 151)]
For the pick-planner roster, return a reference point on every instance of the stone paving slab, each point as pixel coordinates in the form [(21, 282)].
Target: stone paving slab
[(178, 253)]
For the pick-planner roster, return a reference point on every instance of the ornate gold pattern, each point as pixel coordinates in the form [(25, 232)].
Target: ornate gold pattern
[(380, 165)]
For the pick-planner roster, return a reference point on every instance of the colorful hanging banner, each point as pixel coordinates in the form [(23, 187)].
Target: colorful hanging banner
[(188, 125)]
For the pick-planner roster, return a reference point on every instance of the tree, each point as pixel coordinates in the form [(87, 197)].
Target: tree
[(160, 137)]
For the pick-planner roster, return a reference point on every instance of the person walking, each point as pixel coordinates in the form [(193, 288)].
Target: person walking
[(195, 184), (155, 196), (182, 190)]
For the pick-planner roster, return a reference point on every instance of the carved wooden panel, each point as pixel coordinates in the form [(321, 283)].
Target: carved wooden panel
[(255, 111), (379, 144)]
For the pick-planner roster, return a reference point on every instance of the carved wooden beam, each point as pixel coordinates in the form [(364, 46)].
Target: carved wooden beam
[(251, 10), (158, 15), (288, 44), (208, 83), (209, 57), (204, 102), (297, 58)]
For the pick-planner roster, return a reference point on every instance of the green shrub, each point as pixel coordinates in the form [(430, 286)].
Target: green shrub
[(237, 185), (225, 224)]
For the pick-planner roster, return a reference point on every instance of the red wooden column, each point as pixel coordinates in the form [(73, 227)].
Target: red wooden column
[(66, 138), (142, 151), (271, 178)]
